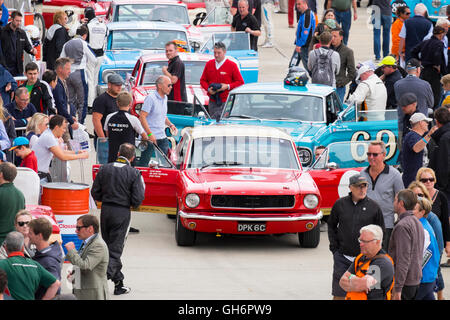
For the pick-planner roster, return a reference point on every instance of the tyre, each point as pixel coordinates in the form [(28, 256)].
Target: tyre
[(171, 216), (311, 238), (40, 23), (183, 236)]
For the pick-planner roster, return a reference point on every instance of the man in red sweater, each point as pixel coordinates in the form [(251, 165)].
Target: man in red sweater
[(219, 77), (21, 147)]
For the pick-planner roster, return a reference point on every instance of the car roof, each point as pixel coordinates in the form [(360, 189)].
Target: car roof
[(232, 130), (184, 56), (280, 87), (145, 25)]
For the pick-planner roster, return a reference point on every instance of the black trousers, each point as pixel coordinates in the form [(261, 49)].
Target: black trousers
[(433, 77), (114, 224)]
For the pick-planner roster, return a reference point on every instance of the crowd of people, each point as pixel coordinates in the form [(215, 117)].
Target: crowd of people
[(387, 236)]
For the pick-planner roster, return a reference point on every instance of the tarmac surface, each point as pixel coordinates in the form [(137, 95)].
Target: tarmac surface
[(230, 267)]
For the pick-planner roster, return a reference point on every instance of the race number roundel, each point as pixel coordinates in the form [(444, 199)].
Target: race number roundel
[(343, 189)]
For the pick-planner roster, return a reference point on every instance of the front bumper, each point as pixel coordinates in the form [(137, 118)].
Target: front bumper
[(229, 224)]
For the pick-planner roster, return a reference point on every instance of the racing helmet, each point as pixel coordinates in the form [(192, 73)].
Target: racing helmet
[(297, 76)]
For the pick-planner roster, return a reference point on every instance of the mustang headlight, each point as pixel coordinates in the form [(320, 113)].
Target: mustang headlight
[(436, 3), (305, 156), (310, 201), (192, 200)]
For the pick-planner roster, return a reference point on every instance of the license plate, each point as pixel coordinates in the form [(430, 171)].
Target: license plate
[(251, 227)]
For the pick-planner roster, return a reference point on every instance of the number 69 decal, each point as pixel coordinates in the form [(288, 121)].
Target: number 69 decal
[(359, 150)]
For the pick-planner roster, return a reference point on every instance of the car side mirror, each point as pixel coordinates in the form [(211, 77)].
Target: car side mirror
[(332, 166)]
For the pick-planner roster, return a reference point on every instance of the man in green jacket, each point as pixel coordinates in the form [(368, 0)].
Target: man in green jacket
[(11, 199)]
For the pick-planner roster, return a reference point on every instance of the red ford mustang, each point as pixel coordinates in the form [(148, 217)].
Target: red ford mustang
[(231, 179)]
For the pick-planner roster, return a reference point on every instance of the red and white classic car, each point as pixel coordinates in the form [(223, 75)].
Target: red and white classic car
[(149, 67), (232, 179)]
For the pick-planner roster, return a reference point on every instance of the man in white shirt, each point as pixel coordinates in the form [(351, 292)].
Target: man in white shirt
[(78, 50), (48, 146), (370, 94)]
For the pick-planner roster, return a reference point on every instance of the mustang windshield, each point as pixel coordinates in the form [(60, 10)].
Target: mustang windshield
[(143, 39), (152, 70), (243, 151), (275, 107), (152, 12)]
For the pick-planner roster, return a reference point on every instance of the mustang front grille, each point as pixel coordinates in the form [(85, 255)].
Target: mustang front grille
[(252, 202)]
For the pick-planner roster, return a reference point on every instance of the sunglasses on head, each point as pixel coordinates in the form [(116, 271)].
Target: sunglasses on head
[(23, 223)]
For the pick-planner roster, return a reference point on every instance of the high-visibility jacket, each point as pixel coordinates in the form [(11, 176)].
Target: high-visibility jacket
[(361, 268)]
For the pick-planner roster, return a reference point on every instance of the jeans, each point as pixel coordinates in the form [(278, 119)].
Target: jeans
[(296, 58), (163, 144), (385, 23), (341, 93), (344, 18)]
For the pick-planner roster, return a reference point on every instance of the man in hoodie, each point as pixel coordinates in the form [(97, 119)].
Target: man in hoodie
[(49, 255), (77, 49)]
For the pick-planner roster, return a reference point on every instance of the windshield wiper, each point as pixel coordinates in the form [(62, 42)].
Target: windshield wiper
[(221, 163), (287, 119), (243, 116)]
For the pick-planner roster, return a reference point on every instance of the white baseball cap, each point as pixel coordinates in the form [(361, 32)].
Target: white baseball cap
[(416, 117), (364, 68)]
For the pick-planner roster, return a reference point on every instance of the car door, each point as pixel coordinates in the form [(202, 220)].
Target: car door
[(159, 174), (357, 127), (333, 169)]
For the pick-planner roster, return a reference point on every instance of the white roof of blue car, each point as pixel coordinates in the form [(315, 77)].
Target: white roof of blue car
[(145, 25), (281, 88)]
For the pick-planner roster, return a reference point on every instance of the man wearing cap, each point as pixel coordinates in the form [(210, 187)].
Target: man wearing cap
[(21, 147), (407, 106), (390, 76), (384, 181), (413, 84), (370, 93), (431, 55), (348, 215), (105, 104), (414, 144)]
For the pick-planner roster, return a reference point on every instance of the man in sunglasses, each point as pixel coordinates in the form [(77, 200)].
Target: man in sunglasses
[(348, 215), (153, 115), (384, 181)]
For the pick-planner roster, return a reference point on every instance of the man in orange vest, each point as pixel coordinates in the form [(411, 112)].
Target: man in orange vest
[(371, 275)]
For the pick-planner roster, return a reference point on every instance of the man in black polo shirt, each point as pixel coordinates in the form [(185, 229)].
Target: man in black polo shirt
[(175, 71), (245, 21)]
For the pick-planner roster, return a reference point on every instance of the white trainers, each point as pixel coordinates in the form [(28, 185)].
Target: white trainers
[(267, 45)]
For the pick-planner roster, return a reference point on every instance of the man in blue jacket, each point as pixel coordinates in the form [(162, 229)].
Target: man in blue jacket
[(305, 30), (60, 93), (21, 109)]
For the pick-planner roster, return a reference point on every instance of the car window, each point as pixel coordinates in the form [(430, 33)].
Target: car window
[(219, 15), (243, 151), (192, 74), (181, 151), (337, 102), (275, 107), (146, 153), (143, 39), (152, 12), (136, 68), (233, 40)]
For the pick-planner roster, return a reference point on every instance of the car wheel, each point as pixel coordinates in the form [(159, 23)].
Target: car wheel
[(311, 238), (171, 216), (183, 236)]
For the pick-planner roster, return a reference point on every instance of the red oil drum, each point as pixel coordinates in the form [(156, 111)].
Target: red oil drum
[(69, 201)]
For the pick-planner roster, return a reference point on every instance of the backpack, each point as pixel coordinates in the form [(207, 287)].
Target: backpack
[(322, 70)]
